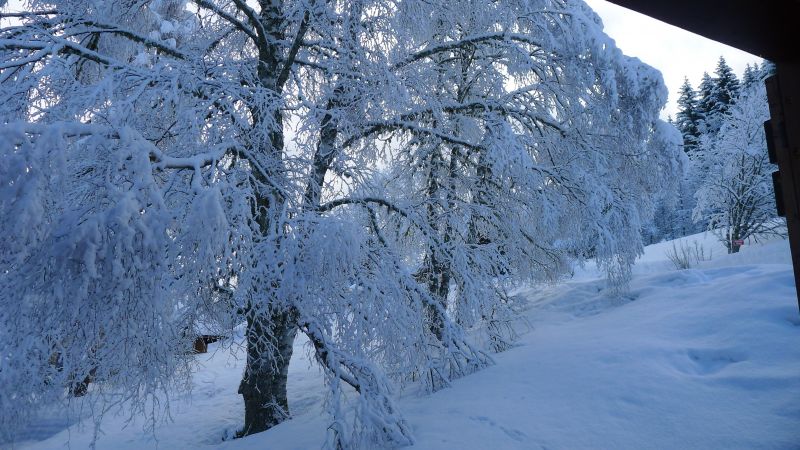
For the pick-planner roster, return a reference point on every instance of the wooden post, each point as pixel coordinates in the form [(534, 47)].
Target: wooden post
[(783, 92)]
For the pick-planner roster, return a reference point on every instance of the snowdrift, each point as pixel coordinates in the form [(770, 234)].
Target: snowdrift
[(707, 357)]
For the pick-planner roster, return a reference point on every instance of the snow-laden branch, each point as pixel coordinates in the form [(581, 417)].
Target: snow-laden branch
[(160, 160), (255, 21), (239, 25), (57, 46), (325, 207), (389, 126), (292, 54), (464, 42), (26, 14), (99, 27)]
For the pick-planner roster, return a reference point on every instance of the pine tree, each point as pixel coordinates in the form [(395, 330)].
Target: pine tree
[(750, 77), (705, 103), (717, 95), (726, 88), (688, 118)]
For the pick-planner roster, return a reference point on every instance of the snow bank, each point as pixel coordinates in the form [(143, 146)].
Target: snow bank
[(701, 358)]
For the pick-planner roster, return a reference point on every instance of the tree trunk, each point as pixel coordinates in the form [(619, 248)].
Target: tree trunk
[(263, 387), (437, 271), (271, 325), (439, 287)]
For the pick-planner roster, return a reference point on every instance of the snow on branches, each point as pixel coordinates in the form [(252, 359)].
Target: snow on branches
[(736, 196), (376, 175)]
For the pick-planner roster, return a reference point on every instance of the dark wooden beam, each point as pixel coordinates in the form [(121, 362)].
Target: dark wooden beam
[(783, 91), (766, 28)]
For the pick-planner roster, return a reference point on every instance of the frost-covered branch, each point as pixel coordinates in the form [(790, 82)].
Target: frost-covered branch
[(230, 18), (463, 42)]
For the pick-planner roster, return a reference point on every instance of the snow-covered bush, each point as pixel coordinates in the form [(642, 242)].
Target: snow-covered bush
[(685, 256)]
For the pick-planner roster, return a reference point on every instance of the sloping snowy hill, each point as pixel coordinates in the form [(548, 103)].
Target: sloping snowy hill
[(702, 358)]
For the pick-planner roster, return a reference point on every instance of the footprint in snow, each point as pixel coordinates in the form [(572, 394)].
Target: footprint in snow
[(513, 433), (483, 419), (705, 361)]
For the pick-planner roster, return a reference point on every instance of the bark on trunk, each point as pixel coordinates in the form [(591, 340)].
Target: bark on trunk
[(436, 270), (263, 387), (439, 287), (271, 328)]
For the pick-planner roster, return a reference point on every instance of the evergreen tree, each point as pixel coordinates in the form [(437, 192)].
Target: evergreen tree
[(726, 88), (701, 117), (717, 95), (705, 103), (688, 118), (736, 196), (750, 77)]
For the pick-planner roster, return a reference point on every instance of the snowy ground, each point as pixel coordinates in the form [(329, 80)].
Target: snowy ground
[(702, 358)]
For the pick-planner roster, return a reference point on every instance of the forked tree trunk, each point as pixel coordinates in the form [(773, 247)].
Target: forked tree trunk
[(271, 328)]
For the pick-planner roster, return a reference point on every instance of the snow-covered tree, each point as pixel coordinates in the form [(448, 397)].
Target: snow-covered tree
[(688, 118), (167, 125), (727, 82), (705, 104), (716, 95), (715, 98), (691, 124), (726, 88), (373, 174), (750, 77), (736, 196)]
